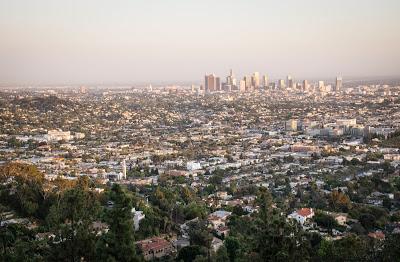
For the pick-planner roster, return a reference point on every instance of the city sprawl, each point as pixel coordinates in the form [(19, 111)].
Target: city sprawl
[(204, 164)]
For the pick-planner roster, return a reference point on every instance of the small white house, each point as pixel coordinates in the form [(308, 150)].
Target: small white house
[(301, 215)]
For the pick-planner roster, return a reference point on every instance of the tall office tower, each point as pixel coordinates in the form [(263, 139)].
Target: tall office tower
[(210, 83), (217, 84), (321, 86), (339, 84), (265, 80), (256, 80), (305, 85), (242, 86), (233, 78), (252, 81), (230, 79), (234, 82), (124, 169), (281, 83), (247, 80), (290, 82)]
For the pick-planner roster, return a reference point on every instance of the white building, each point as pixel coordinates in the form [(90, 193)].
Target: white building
[(192, 165), (124, 169), (137, 217), (79, 135), (346, 122), (302, 215), (57, 135)]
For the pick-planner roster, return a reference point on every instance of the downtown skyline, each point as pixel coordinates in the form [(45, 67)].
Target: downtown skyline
[(194, 131)]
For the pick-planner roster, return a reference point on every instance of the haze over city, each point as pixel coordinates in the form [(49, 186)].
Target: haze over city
[(46, 42), (200, 130)]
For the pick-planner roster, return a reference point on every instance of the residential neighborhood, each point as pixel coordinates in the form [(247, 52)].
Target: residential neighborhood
[(195, 165)]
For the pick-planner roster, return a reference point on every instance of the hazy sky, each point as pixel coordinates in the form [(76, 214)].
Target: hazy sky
[(128, 41)]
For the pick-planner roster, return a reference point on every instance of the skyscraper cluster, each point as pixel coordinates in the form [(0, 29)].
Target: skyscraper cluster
[(254, 82), (212, 83)]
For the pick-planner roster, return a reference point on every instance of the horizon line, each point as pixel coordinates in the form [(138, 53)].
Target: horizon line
[(186, 82)]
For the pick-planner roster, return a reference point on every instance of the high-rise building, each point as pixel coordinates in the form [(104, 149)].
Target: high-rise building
[(265, 81), (234, 82), (305, 85), (339, 84), (210, 83), (242, 86), (256, 80), (321, 86), (217, 84), (281, 83), (247, 80), (290, 82), (230, 79)]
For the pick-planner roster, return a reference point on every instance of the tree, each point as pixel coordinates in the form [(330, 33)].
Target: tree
[(339, 201), (221, 255), (238, 210), (17, 243), (199, 234), (71, 220), (277, 239), (26, 192), (264, 200), (194, 210), (358, 229), (118, 244), (387, 203), (281, 240), (189, 253), (368, 221), (232, 188), (186, 195), (351, 248), (397, 183), (325, 220), (232, 245), (391, 248), (216, 179)]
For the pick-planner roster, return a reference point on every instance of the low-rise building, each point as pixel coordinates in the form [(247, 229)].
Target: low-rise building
[(155, 247), (301, 215)]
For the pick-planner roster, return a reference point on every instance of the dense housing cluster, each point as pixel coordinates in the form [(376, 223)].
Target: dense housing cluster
[(262, 173)]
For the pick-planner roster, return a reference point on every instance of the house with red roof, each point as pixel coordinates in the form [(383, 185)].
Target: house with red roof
[(155, 247), (302, 215)]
